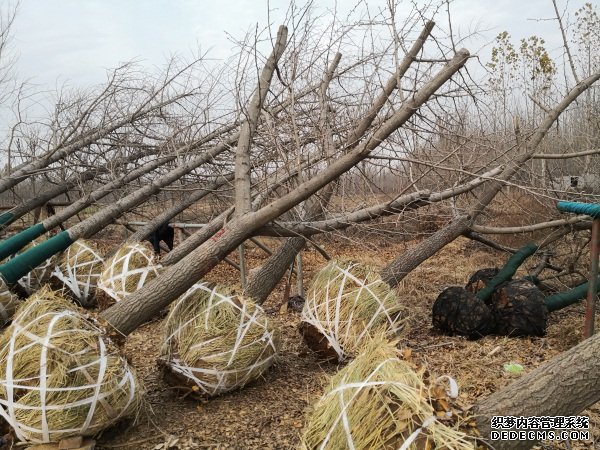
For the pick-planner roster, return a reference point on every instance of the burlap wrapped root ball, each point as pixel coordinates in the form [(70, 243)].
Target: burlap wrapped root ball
[(129, 269), (216, 342), (78, 271), (378, 402), (8, 303), (59, 375), (346, 303)]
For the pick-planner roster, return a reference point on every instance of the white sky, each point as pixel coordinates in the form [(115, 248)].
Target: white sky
[(74, 41)]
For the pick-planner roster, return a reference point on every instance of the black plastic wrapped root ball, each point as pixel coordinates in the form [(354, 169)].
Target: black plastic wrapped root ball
[(519, 310), (478, 280), (457, 311)]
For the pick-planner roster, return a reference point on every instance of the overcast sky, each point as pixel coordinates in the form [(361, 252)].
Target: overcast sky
[(75, 40)]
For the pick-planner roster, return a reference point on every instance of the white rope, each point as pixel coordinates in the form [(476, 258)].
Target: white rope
[(79, 275), (118, 271), (39, 275), (333, 329), (226, 378), (426, 423), (356, 388), (101, 388)]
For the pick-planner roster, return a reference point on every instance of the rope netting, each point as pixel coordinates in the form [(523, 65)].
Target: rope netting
[(130, 268), (217, 342), (59, 375), (79, 270)]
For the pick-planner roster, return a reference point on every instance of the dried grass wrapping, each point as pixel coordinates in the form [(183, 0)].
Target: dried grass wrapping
[(216, 342), (40, 275), (79, 270), (8, 303), (347, 303), (377, 402), (59, 376), (129, 269)]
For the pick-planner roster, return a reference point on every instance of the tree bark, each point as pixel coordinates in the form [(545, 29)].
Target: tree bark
[(264, 281), (566, 385), (395, 272), (243, 201)]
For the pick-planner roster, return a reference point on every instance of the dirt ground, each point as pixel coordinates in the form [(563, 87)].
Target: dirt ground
[(270, 413)]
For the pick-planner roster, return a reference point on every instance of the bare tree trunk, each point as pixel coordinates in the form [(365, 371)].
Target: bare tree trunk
[(266, 278), (566, 385), (243, 201), (197, 239), (128, 314), (268, 275), (401, 266)]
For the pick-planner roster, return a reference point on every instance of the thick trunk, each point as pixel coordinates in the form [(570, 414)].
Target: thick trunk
[(243, 201), (395, 272), (264, 281), (197, 239), (147, 302), (564, 386)]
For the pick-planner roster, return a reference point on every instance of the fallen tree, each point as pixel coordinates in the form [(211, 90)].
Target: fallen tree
[(397, 270), (148, 301)]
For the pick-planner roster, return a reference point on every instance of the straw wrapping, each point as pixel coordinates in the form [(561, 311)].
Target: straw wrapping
[(130, 268), (215, 341), (79, 271), (59, 375)]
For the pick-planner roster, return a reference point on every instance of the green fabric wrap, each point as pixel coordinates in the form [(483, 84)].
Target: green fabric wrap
[(507, 271), (15, 243), (22, 264), (5, 218), (564, 299)]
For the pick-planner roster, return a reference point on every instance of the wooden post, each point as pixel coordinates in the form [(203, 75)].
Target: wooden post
[(299, 275)]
